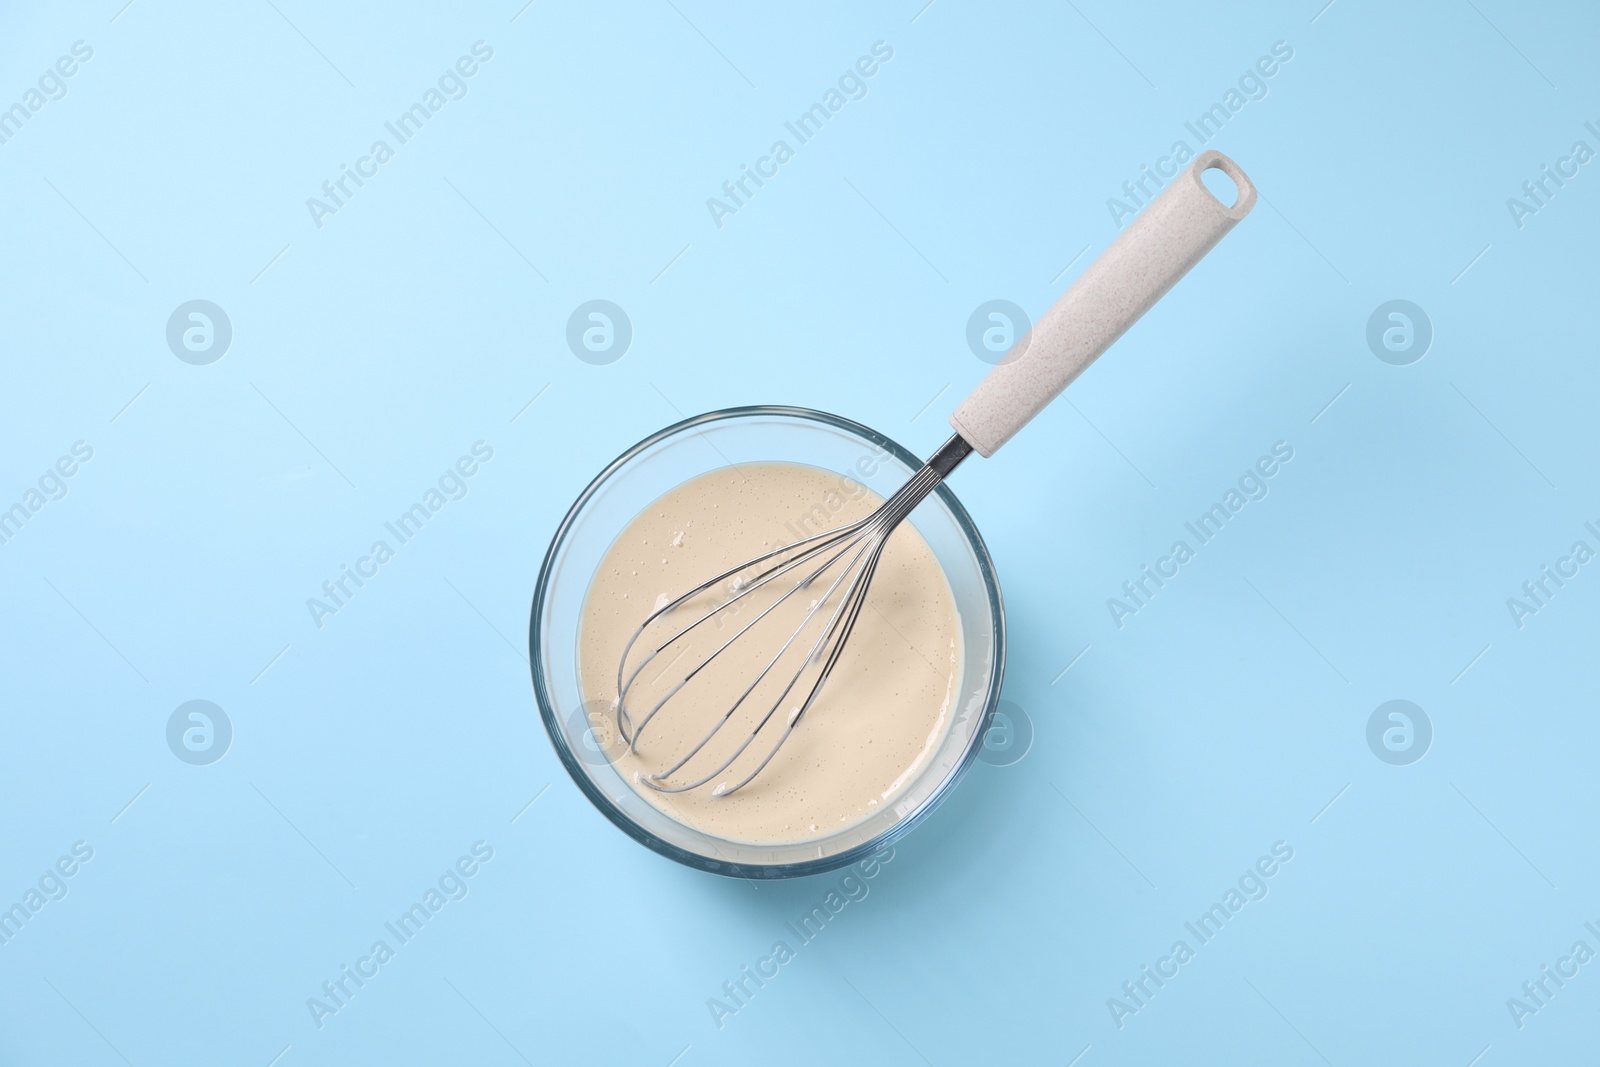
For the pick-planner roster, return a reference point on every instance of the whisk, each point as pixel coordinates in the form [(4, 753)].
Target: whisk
[(1171, 235)]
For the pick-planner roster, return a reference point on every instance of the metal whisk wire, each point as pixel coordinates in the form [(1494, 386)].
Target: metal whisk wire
[(867, 537)]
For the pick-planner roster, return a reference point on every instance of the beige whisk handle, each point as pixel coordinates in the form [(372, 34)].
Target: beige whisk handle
[(1172, 234)]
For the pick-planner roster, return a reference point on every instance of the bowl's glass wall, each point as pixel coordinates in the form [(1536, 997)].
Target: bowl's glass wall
[(666, 460)]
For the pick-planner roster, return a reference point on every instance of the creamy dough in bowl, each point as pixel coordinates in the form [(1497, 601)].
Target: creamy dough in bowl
[(882, 714)]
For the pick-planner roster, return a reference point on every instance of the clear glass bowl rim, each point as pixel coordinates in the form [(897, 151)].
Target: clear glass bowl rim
[(620, 819)]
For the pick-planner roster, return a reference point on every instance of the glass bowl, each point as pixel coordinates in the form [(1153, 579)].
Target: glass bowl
[(665, 460)]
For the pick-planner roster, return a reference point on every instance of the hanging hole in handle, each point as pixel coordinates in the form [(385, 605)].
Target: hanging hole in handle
[(1226, 183), (1220, 185)]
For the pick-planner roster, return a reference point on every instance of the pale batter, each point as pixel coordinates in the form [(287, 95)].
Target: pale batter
[(883, 712)]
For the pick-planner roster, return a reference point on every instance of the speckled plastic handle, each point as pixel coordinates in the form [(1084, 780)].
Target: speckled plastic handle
[(1172, 234)]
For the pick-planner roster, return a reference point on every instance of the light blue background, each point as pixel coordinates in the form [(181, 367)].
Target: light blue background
[(424, 316)]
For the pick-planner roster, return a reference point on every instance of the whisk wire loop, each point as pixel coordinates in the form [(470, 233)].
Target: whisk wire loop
[(862, 541)]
